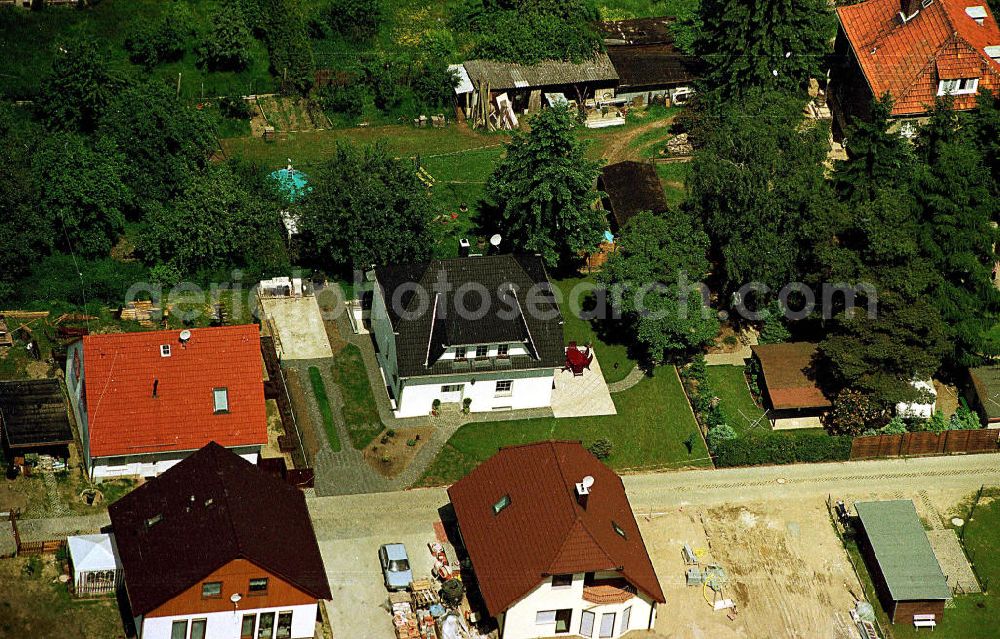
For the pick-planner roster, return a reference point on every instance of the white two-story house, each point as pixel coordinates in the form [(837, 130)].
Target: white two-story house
[(482, 330), (554, 545)]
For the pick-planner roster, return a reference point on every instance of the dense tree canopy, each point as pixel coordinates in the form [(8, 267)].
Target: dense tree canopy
[(758, 186), (24, 233), (763, 43), (544, 190), (878, 158), (78, 88), (227, 45), (366, 208), (654, 273), (357, 19)]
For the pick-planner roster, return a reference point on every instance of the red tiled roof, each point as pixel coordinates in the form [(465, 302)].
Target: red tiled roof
[(125, 419), (210, 509), (908, 59), (544, 531)]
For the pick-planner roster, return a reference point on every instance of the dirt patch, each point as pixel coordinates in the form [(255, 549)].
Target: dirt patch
[(303, 416), (274, 430), (33, 603), (947, 398), (390, 455), (729, 340), (787, 572), (288, 114)]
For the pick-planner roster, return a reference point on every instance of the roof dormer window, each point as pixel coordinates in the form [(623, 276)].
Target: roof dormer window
[(993, 52), (977, 13), (164, 350), (958, 86)]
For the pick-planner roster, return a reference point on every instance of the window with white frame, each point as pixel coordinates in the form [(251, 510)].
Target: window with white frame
[(503, 350), (451, 388), (587, 619), (460, 353), (544, 617), (220, 396), (626, 619), (482, 351), (504, 387), (958, 86)]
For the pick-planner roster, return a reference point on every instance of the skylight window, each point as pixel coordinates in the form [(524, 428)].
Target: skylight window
[(221, 397), (164, 350), (618, 529), (501, 504)]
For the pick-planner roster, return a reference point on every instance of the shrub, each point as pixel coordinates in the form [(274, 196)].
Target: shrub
[(600, 448), (718, 434), (151, 44), (347, 98), (227, 46), (435, 86), (855, 412), (357, 19), (774, 330), (964, 419), (754, 449), (235, 108)]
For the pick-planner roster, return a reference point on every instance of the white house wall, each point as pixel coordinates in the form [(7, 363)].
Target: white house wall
[(385, 338), (532, 390), (150, 465), (519, 619), (226, 625), (77, 399)]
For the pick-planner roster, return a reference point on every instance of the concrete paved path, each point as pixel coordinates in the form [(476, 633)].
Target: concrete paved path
[(300, 327), (636, 375), (581, 396)]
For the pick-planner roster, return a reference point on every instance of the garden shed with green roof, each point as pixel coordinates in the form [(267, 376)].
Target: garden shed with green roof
[(906, 573)]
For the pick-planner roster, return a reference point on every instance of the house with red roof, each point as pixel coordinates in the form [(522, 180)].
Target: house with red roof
[(915, 50), (144, 401), (214, 548), (554, 545)]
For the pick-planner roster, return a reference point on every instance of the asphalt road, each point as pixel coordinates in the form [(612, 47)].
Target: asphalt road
[(351, 527)]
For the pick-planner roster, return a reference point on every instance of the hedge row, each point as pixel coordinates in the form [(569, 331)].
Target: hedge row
[(782, 447)]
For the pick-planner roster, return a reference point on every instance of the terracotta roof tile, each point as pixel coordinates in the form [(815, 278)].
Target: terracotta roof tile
[(125, 419), (788, 375), (544, 531), (908, 59)]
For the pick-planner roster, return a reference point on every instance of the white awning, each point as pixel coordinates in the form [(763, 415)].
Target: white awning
[(93, 552), (464, 82)]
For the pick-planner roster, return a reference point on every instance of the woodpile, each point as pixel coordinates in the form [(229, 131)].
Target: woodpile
[(679, 145), (140, 311)]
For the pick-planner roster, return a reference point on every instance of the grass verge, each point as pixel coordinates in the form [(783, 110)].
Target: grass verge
[(735, 402), (325, 410), (612, 354), (650, 430), (360, 411)]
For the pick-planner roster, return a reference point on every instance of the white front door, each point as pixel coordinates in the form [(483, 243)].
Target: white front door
[(451, 393)]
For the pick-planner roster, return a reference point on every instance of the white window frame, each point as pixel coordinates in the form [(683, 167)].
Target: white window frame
[(508, 391), (562, 587), (625, 621), (958, 86), (452, 388), (220, 406), (503, 350), (484, 349), (610, 631), (588, 619), (174, 623), (545, 617)]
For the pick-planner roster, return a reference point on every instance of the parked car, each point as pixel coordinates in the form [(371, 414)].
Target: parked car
[(395, 566)]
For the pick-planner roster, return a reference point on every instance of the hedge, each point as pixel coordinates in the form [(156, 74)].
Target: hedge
[(788, 447)]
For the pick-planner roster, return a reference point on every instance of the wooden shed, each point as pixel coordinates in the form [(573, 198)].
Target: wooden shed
[(34, 417), (907, 576), (983, 394), (789, 383)]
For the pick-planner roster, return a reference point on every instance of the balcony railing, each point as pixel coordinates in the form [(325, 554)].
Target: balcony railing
[(609, 591)]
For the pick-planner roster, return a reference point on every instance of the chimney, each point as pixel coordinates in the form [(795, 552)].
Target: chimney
[(583, 491), (156, 384)]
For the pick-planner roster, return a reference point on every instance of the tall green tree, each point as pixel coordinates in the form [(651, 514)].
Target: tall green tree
[(227, 46), (163, 139), (983, 129), (957, 205), (654, 273), (78, 88), (758, 185), (214, 222), (82, 192), (877, 158), (763, 43), (544, 190), (366, 208)]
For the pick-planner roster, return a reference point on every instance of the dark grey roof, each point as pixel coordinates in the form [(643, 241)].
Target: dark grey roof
[(644, 56), (520, 308), (506, 75), (33, 413)]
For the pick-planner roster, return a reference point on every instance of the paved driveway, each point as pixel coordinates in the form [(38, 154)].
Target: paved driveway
[(349, 530), (300, 327)]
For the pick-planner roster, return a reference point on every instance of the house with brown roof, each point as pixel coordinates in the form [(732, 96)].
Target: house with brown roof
[(788, 382), (648, 64), (554, 545), (144, 401), (915, 50), (216, 549), (630, 187)]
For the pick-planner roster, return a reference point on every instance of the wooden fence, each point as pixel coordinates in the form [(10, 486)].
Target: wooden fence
[(275, 388), (925, 443), (47, 547)]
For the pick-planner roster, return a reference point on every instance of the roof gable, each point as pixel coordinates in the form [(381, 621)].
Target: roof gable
[(544, 530), (125, 417), (789, 375), (209, 509), (905, 59)]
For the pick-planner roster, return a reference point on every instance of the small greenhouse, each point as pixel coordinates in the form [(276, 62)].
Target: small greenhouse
[(94, 564)]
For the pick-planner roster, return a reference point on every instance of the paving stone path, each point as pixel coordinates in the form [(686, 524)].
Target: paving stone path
[(636, 375)]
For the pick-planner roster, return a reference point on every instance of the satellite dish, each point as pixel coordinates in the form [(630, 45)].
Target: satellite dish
[(495, 240), (588, 481), (185, 335), (235, 597)]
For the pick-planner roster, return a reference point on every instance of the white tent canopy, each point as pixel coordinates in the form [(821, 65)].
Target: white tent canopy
[(96, 566)]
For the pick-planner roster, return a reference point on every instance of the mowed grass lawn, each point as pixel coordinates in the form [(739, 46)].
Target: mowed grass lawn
[(650, 430), (325, 410), (360, 411), (612, 354), (737, 405)]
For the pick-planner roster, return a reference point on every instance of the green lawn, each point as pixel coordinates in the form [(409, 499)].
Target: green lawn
[(972, 616), (612, 353), (674, 177), (737, 405), (319, 390), (360, 411), (650, 429)]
